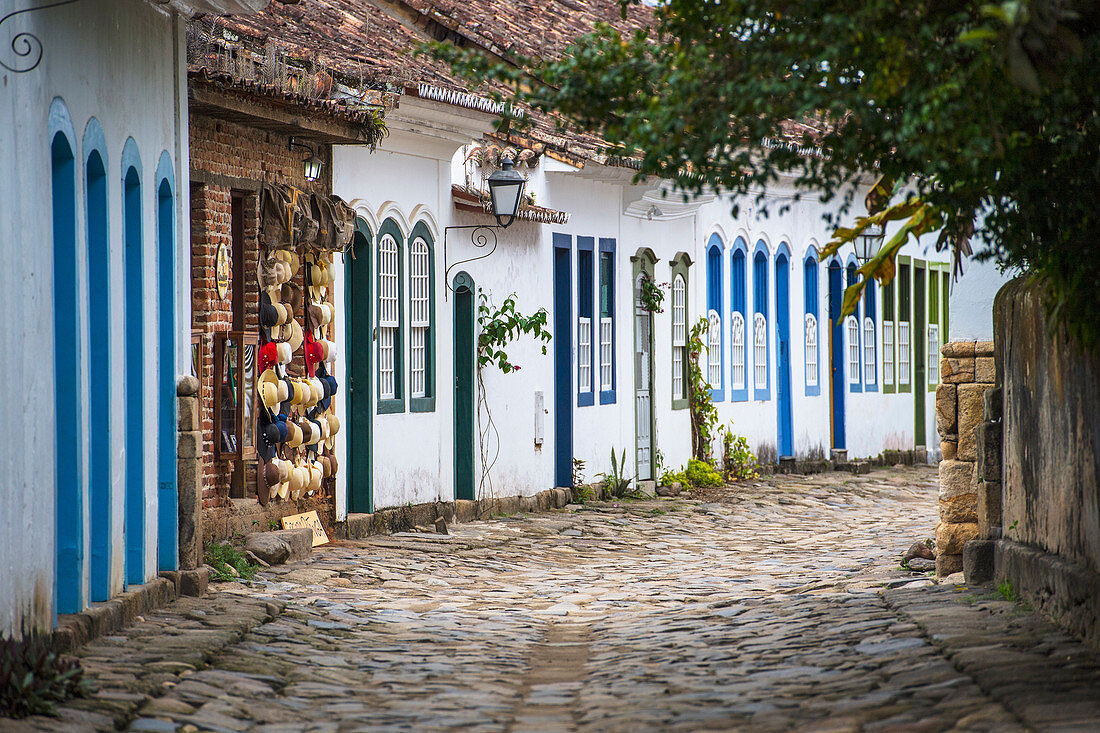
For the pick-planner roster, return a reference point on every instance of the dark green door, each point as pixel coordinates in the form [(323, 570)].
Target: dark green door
[(358, 298), (464, 386), (920, 320)]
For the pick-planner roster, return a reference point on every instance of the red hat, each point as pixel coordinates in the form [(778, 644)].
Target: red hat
[(269, 355)]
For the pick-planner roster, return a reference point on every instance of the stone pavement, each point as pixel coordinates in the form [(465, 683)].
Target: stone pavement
[(776, 605)]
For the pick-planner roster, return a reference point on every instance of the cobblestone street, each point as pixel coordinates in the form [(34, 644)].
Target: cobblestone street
[(780, 606)]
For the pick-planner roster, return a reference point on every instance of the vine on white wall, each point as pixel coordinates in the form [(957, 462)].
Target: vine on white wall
[(497, 328)]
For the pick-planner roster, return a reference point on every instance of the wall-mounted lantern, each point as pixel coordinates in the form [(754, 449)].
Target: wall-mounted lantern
[(312, 162), (867, 243), (505, 192)]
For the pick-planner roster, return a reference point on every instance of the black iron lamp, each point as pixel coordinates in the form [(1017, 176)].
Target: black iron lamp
[(867, 243), (312, 162), (505, 192)]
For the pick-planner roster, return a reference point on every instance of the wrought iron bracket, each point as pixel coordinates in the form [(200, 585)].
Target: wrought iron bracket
[(25, 46), (480, 240)]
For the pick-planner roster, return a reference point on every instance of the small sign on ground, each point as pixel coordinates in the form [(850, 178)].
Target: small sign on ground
[(308, 519)]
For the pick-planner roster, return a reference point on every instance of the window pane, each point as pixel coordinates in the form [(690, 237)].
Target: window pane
[(760, 343), (584, 354), (737, 350), (811, 350), (869, 370), (714, 350), (853, 350)]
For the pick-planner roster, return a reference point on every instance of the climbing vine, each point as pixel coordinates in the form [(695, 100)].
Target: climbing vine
[(497, 328), (651, 295), (704, 413)]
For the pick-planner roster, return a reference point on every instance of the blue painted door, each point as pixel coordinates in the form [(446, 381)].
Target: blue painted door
[(69, 527), (167, 494), (134, 515), (563, 374), (100, 365), (836, 353), (783, 336)]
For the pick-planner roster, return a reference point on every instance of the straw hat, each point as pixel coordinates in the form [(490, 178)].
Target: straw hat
[(296, 336), (316, 473), (271, 475), (332, 351), (284, 390), (293, 434), (334, 466)]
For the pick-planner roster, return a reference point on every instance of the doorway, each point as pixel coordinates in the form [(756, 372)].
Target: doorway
[(464, 385), (919, 344), (836, 354), (785, 438), (359, 297), (563, 360), (643, 384)]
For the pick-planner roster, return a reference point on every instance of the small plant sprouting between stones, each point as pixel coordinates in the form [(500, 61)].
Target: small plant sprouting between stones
[(222, 556), (738, 460), (697, 474), (1007, 591), (34, 678), (616, 482), (578, 472)]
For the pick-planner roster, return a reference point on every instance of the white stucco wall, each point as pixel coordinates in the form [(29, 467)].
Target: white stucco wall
[(972, 300), (121, 63), (413, 454)]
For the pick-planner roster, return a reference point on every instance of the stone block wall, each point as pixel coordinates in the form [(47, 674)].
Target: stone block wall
[(967, 373)]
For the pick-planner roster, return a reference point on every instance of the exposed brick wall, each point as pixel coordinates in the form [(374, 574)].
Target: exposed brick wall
[(228, 157)]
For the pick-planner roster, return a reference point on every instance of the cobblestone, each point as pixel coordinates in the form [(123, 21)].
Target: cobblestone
[(775, 605)]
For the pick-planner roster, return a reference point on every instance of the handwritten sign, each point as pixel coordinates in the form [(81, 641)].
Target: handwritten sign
[(310, 520)]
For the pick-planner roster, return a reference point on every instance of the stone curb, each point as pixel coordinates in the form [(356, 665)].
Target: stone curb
[(402, 519), (1066, 591)]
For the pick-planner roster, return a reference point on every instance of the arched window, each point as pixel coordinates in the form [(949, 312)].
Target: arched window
[(68, 421), (855, 378), (421, 320), (390, 368), (738, 386), (679, 337), (762, 381), (870, 338), (760, 346), (714, 318), (809, 296), (852, 329), (811, 350)]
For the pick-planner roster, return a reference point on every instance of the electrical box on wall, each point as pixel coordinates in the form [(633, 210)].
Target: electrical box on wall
[(540, 417)]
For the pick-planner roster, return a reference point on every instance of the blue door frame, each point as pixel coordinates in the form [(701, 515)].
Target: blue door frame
[(167, 492), (134, 369), (784, 415), (99, 366), (836, 352), (563, 360)]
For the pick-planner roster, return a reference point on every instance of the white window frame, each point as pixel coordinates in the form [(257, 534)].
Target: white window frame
[(903, 352), (888, 352), (870, 368), (606, 353), (933, 353), (714, 349), (584, 354), (851, 331), (760, 350), (810, 345), (389, 315), (419, 317), (679, 336), (737, 350)]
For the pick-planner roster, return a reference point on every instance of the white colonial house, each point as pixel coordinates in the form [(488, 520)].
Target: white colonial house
[(788, 373), (93, 136)]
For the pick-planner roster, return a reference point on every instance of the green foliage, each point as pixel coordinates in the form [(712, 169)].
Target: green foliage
[(1007, 591), (980, 118), (704, 413), (738, 459), (584, 494), (651, 294), (578, 472), (697, 474), (222, 556), (615, 481), (34, 678), (498, 327)]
